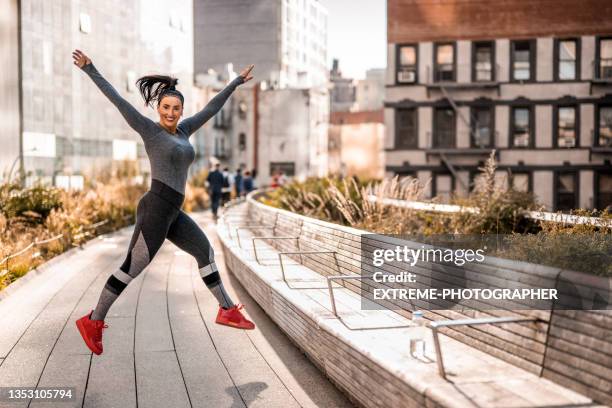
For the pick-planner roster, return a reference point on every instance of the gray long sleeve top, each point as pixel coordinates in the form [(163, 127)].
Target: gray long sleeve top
[(170, 154)]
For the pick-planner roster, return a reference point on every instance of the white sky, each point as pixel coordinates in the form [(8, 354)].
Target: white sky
[(357, 35)]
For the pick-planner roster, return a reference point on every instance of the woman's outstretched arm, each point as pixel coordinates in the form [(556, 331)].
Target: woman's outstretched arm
[(193, 123), (137, 121)]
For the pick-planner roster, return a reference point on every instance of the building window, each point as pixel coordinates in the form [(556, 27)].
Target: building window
[(604, 59), (566, 191), (442, 186), (407, 64), (521, 182), (242, 141), (483, 62), (221, 120), (567, 55), (444, 62), (242, 110), (522, 60), (603, 190), (284, 168), (604, 130), (521, 127), (85, 23), (444, 128), (482, 127), (130, 79), (566, 127), (406, 136)]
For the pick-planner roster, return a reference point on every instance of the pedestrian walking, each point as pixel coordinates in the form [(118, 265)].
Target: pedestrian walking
[(247, 183), (238, 183), (215, 182), (226, 193), (158, 214)]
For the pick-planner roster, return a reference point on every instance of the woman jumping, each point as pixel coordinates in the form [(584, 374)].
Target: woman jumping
[(158, 214)]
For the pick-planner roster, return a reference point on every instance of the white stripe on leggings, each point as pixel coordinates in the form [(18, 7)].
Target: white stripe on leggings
[(122, 276), (208, 269)]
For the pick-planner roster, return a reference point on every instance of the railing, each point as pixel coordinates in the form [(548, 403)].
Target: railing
[(82, 232), (476, 140), (534, 215), (467, 322), (330, 288), (300, 253), (602, 69), (296, 238), (332, 299), (444, 74)]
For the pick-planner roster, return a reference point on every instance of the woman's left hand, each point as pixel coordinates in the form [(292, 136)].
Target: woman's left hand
[(245, 74)]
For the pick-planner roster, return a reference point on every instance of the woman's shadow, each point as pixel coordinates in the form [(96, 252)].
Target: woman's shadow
[(245, 394)]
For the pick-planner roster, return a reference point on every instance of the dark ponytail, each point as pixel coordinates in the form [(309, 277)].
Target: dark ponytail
[(154, 87)]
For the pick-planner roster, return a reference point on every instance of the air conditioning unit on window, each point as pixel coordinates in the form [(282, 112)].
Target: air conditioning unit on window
[(521, 142), (567, 142), (406, 76)]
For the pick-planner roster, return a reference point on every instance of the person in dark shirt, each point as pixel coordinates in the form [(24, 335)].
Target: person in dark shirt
[(247, 182), (238, 182), (215, 181), (226, 191)]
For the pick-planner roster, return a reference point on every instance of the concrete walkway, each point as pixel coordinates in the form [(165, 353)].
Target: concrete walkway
[(162, 347)]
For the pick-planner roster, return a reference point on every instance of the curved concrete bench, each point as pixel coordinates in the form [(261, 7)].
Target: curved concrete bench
[(366, 352)]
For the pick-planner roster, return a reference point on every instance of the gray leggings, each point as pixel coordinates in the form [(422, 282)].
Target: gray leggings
[(158, 216)]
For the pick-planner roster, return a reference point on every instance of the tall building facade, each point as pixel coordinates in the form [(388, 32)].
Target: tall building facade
[(285, 39), (273, 130), (66, 126), (342, 90), (370, 91), (467, 77), (278, 121)]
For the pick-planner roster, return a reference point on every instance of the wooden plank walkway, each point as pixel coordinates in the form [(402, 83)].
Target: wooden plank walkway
[(162, 347)]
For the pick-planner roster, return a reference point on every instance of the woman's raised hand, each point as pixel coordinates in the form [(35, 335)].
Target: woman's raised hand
[(80, 59), (245, 74)]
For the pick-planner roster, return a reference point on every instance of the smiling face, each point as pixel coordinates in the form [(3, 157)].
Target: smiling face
[(170, 110)]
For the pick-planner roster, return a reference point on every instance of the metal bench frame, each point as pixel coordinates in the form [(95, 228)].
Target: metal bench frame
[(280, 259), (330, 287), (435, 326), (297, 240), (254, 227)]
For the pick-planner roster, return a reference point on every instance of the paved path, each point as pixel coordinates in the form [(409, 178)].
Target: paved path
[(162, 348)]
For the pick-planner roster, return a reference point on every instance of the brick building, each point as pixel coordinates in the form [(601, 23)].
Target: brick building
[(532, 80)]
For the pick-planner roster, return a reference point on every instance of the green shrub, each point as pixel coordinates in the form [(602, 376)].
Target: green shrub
[(318, 198), (501, 210), (31, 204)]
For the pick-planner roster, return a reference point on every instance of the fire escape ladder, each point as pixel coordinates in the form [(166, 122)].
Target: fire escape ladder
[(456, 109), (443, 157), (452, 169)]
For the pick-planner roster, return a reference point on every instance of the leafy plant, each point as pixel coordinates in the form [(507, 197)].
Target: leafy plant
[(499, 209), (32, 204)]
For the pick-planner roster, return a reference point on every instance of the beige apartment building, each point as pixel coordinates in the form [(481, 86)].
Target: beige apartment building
[(466, 77)]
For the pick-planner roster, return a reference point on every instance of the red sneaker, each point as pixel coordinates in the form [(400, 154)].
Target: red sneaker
[(234, 318), (91, 331)]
